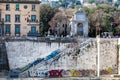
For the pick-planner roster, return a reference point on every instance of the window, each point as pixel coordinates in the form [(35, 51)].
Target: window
[(17, 29), (17, 6), (80, 29), (7, 6), (7, 17), (33, 29), (25, 6), (33, 7), (17, 18), (7, 29), (33, 18)]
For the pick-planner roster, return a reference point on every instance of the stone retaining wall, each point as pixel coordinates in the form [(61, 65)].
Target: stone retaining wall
[(24, 52)]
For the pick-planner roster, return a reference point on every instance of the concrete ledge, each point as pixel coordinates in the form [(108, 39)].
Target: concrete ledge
[(68, 78), (39, 39)]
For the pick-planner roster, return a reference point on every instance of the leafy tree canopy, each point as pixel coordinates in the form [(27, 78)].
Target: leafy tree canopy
[(46, 13), (90, 1), (64, 3), (103, 18), (109, 0)]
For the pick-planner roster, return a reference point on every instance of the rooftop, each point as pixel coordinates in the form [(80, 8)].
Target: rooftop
[(20, 1)]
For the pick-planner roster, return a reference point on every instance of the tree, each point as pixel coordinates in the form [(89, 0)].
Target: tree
[(110, 0), (106, 23), (64, 3), (104, 19), (59, 24), (77, 7), (46, 13), (90, 1), (95, 20), (107, 9), (116, 22)]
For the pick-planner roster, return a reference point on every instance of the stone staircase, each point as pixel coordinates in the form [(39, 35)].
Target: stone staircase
[(59, 61), (83, 56), (79, 51)]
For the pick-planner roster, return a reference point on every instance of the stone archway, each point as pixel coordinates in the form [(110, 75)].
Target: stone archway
[(80, 30)]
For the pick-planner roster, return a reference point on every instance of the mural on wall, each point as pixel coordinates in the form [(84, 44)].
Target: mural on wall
[(68, 73), (82, 65), (62, 73)]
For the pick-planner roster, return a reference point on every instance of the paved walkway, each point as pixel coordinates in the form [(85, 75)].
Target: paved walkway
[(70, 78)]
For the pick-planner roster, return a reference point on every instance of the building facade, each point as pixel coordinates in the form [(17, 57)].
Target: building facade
[(19, 17), (79, 24)]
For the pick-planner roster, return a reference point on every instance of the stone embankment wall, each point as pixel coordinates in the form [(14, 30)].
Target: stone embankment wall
[(108, 53), (22, 53), (86, 58)]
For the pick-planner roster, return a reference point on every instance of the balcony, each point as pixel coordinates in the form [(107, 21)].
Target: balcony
[(35, 34), (30, 22), (17, 34), (7, 33)]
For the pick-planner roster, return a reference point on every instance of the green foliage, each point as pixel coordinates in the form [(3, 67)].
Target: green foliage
[(109, 0), (119, 46), (106, 24), (87, 10), (90, 1), (64, 3), (103, 18), (106, 8), (46, 13), (77, 7), (116, 31)]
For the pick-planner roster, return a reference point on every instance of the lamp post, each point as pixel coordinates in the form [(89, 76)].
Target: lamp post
[(98, 56), (98, 45)]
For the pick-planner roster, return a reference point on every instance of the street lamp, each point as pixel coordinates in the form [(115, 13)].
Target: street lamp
[(100, 14), (98, 56)]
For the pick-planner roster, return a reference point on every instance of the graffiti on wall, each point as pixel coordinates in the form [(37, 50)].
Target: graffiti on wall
[(67, 73), (62, 73)]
